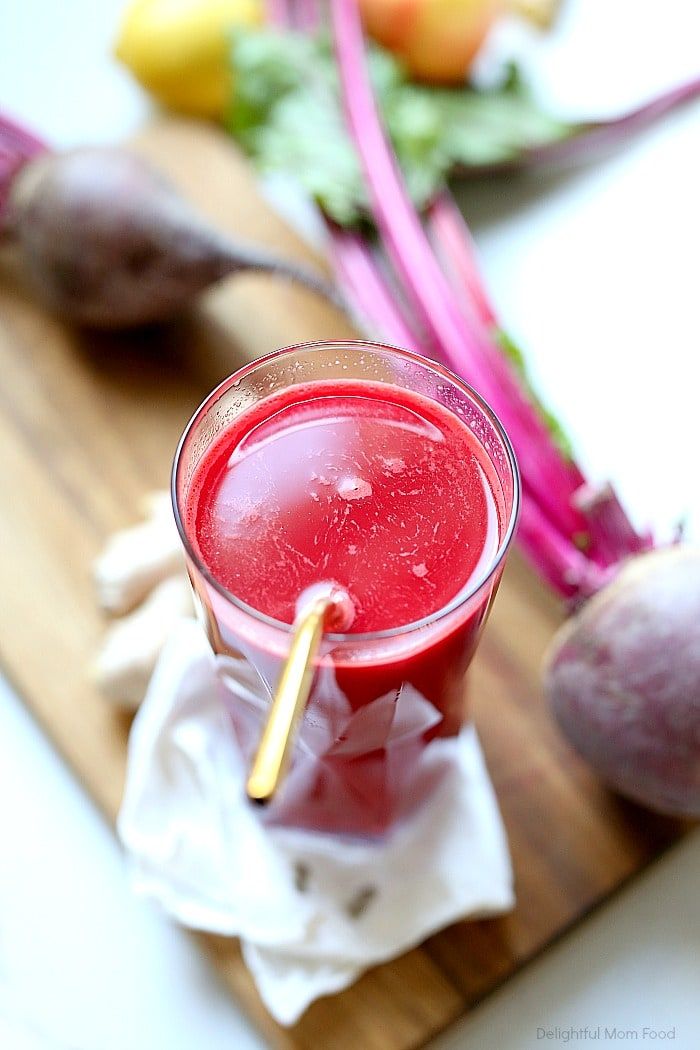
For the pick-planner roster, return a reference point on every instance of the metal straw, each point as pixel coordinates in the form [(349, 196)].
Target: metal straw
[(272, 757)]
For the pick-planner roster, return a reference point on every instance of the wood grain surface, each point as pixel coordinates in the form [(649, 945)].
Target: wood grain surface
[(88, 425)]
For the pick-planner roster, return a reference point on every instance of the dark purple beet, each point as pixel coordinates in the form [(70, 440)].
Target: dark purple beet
[(623, 678), (105, 241)]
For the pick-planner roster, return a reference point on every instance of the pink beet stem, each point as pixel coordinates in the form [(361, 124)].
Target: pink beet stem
[(362, 277), (453, 241), (555, 558), (396, 218), (608, 525), (451, 235)]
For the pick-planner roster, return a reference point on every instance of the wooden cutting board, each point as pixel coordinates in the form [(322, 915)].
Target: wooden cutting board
[(88, 425)]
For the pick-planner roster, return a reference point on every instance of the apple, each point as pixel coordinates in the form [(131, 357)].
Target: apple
[(437, 40)]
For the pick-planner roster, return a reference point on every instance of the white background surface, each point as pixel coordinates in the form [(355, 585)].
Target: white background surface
[(596, 275)]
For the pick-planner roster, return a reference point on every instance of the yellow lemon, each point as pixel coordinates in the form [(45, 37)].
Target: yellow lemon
[(178, 49)]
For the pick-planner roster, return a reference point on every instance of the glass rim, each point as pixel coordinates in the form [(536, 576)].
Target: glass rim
[(461, 598)]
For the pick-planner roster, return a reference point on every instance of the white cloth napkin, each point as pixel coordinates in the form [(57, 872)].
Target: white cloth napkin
[(313, 911)]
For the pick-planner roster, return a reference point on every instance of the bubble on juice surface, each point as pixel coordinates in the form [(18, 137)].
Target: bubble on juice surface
[(354, 488), (394, 464)]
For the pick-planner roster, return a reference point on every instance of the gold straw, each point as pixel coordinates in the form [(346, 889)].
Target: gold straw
[(288, 705)]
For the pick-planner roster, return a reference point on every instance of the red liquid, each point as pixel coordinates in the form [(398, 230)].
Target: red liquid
[(388, 498), (377, 489)]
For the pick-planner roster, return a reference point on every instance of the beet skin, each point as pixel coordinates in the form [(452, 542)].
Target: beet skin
[(623, 678)]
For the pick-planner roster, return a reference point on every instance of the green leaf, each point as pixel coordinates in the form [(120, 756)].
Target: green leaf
[(488, 127), (270, 67), (286, 113)]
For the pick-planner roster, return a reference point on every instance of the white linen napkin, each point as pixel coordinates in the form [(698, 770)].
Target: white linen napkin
[(313, 911)]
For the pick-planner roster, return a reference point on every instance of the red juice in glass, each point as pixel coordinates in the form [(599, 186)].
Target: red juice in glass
[(375, 470)]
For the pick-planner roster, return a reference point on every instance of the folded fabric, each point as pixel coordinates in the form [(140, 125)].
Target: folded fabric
[(313, 910)]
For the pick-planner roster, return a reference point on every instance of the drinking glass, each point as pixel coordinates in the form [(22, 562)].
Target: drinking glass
[(379, 701)]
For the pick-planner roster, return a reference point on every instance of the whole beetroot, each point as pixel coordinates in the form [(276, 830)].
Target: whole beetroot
[(623, 679), (105, 241)]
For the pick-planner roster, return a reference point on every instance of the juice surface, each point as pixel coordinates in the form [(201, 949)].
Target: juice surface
[(364, 484)]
